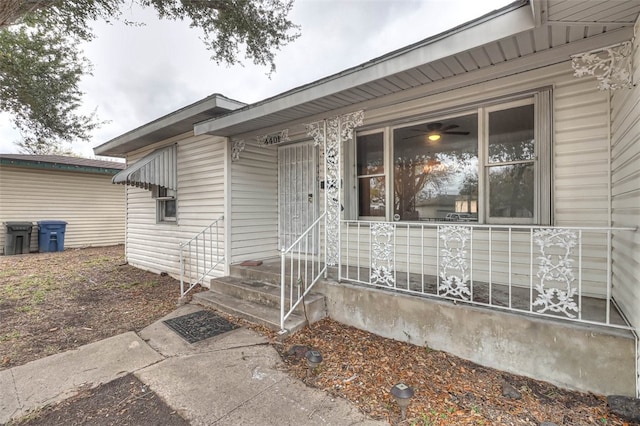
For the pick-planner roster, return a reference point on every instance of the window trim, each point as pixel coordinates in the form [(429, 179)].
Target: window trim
[(162, 195)]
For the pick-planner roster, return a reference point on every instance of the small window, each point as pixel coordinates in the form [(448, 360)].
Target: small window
[(165, 203)]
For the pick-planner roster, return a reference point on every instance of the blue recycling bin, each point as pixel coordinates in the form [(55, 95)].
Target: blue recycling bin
[(51, 235)]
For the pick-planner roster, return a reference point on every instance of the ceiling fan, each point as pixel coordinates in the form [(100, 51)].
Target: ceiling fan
[(434, 131)]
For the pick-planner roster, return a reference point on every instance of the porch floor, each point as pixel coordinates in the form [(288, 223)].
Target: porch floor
[(482, 294)]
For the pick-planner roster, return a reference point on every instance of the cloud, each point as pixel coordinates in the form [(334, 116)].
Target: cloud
[(142, 73)]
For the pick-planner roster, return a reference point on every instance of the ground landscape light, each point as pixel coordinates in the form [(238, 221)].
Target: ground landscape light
[(314, 358), (402, 393)]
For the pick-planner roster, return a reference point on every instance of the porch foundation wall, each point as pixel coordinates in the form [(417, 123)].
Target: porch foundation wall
[(569, 355)]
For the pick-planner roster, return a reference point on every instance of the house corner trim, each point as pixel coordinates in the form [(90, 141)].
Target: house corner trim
[(611, 66)]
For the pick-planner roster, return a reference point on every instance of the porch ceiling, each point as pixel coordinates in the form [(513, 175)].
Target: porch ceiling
[(513, 39)]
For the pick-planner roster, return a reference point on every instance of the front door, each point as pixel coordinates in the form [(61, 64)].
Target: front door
[(298, 191)]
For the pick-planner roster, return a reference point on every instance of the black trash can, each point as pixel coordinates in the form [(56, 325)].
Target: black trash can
[(51, 235), (17, 238)]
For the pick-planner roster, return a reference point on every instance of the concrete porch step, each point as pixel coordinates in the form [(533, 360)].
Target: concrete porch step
[(252, 311), (267, 272), (257, 300), (267, 294)]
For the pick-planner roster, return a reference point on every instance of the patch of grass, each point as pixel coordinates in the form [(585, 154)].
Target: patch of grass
[(42, 282), (426, 419), (31, 284), (8, 273), (38, 296), (31, 291), (9, 291), (10, 336), (128, 285), (97, 261), (51, 349), (135, 284)]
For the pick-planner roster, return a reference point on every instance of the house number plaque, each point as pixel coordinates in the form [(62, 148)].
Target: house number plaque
[(273, 138)]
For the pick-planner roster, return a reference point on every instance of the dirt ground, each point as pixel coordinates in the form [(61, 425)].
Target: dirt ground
[(54, 302), (125, 401), (363, 367)]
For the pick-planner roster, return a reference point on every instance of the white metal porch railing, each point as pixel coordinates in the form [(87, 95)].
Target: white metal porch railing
[(561, 272), (301, 266), (200, 255)]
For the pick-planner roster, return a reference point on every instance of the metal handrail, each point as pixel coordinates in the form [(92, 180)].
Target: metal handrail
[(505, 264), (205, 260), (301, 263)]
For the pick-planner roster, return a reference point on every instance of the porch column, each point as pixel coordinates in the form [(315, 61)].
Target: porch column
[(331, 133)]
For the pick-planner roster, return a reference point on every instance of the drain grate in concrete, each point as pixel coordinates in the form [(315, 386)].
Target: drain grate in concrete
[(199, 326)]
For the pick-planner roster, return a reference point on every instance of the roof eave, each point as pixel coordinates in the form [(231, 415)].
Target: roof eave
[(513, 19), (214, 104), (43, 165)]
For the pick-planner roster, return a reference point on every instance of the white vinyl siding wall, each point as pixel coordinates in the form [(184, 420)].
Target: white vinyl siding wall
[(625, 129), (254, 203), (90, 204), (155, 246), (581, 151)]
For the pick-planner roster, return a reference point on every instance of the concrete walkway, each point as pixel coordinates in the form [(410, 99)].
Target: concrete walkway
[(235, 378)]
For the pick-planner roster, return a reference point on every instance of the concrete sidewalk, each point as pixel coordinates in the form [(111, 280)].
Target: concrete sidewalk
[(235, 378)]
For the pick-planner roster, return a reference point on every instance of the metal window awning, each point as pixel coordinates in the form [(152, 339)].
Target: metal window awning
[(158, 168)]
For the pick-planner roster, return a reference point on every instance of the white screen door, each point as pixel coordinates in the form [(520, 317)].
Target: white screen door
[(298, 191)]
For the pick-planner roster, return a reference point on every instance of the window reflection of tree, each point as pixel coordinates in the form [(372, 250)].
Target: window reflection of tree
[(418, 177), (428, 171), (511, 189)]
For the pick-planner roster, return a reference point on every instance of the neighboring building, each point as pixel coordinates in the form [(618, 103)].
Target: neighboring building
[(53, 187), (500, 119)]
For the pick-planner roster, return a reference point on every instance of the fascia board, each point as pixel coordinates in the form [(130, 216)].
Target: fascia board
[(487, 31), (169, 120)]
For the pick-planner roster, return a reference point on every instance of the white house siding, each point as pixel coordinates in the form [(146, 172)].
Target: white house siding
[(154, 246), (625, 147), (581, 171), (92, 207), (254, 203), (579, 168)]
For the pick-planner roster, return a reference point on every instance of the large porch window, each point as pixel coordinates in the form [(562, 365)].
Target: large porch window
[(481, 165)]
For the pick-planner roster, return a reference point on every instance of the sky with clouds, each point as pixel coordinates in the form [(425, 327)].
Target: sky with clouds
[(142, 73)]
